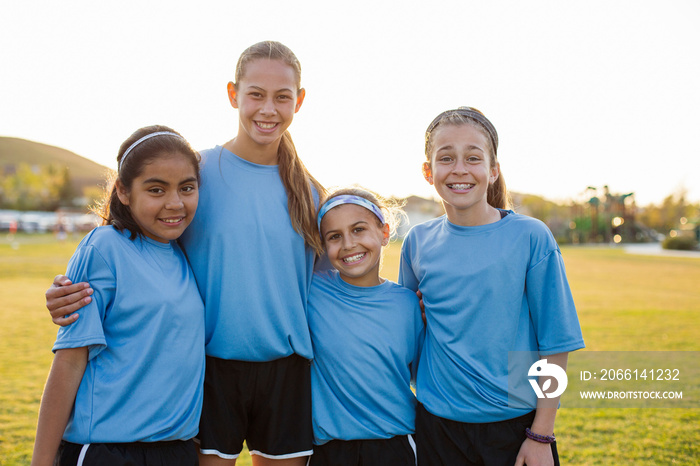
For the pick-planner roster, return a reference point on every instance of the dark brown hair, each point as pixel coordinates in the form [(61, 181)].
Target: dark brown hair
[(296, 179), (111, 209), (497, 194)]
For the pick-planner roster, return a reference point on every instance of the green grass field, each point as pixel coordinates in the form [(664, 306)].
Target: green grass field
[(625, 303)]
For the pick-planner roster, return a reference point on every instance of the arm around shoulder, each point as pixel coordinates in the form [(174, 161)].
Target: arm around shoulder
[(64, 297)]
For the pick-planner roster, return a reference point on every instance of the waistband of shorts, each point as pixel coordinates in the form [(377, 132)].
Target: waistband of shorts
[(159, 444), (256, 363)]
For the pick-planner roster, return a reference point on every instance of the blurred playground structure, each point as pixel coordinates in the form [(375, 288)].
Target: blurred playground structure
[(600, 216)]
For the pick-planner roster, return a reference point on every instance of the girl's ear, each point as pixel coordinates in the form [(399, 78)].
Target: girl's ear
[(386, 229), (428, 172), (300, 99), (495, 171), (231, 89), (122, 193)]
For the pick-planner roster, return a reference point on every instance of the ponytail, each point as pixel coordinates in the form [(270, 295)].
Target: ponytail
[(298, 183), (497, 195)]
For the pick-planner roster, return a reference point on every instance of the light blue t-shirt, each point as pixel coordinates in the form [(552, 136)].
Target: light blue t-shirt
[(487, 290), (366, 343), (144, 330), (252, 268)]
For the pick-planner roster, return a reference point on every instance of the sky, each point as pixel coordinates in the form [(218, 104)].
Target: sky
[(582, 93)]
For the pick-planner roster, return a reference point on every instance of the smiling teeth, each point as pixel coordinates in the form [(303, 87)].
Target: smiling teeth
[(266, 125), (172, 220), (461, 186), (354, 258)]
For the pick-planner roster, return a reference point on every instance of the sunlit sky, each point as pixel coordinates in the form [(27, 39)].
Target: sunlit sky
[(582, 93)]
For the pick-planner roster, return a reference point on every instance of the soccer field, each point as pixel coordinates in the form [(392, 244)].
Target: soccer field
[(625, 303)]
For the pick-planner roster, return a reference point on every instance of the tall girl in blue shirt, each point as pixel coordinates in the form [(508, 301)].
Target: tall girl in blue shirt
[(366, 333), (492, 282), (252, 249), (125, 386)]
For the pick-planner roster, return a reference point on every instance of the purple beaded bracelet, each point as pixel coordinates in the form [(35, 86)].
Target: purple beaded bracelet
[(539, 438)]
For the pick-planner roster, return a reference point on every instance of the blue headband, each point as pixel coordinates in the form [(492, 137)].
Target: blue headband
[(349, 199)]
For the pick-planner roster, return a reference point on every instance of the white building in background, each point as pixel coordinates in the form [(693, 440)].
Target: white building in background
[(419, 210), (44, 222)]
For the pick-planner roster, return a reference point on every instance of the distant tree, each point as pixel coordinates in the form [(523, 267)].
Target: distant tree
[(667, 215), (556, 216), (66, 193), (33, 187), (539, 207)]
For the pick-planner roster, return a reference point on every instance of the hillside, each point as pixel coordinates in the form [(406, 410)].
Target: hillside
[(83, 172)]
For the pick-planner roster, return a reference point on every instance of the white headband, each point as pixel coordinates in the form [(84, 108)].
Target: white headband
[(148, 136)]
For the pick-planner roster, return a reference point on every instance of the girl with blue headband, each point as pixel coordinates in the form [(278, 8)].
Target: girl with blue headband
[(366, 333), (493, 284)]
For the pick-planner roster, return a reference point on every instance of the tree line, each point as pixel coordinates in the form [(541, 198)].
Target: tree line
[(27, 187), (46, 187)]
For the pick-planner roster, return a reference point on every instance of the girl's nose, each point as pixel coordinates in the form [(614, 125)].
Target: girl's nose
[(268, 108), (174, 202), (348, 242), (460, 167)]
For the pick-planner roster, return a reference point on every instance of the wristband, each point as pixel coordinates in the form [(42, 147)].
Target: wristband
[(539, 438)]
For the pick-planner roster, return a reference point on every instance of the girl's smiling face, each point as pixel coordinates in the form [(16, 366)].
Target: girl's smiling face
[(267, 97), (354, 239), (163, 198), (460, 170)]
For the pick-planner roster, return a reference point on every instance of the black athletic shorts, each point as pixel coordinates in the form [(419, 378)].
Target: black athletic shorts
[(446, 442), (267, 404), (395, 451), (174, 453)]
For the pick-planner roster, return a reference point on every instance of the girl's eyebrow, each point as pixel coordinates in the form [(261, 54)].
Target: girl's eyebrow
[(352, 225), (469, 147), (159, 181), (155, 180), (326, 233), (254, 87)]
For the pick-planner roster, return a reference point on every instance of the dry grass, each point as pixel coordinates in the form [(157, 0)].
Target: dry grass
[(625, 302)]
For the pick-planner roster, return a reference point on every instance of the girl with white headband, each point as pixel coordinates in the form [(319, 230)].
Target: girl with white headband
[(252, 248), (366, 333), (125, 386)]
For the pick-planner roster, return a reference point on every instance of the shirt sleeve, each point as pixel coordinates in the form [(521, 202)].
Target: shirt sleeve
[(87, 265), (407, 277), (552, 306)]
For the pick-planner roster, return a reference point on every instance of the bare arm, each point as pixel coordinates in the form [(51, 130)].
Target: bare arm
[(57, 402), (63, 298), (422, 306), (534, 453)]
